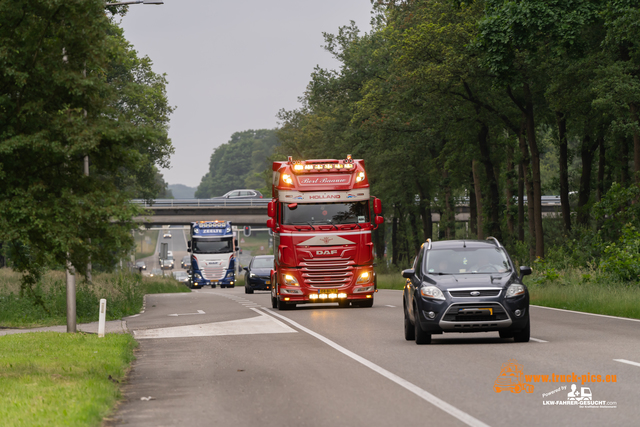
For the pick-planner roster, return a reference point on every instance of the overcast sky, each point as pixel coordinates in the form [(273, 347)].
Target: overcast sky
[(232, 65)]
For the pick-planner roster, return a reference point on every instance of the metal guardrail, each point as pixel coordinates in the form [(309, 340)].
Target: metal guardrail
[(186, 203), (170, 203)]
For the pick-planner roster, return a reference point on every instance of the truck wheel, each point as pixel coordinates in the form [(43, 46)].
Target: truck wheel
[(523, 335), (274, 302), (283, 305), (421, 336), (365, 303), (409, 330)]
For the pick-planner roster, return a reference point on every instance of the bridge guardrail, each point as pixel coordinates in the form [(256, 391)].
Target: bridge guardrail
[(171, 203)]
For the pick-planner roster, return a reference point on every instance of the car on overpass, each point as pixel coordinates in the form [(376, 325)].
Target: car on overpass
[(241, 194), (465, 286), (257, 275)]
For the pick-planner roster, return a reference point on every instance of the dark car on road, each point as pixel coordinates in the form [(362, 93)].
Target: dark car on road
[(465, 286), (140, 265), (257, 274), (166, 264), (186, 262)]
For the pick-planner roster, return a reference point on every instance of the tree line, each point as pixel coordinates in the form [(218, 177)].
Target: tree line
[(73, 89), (491, 101)]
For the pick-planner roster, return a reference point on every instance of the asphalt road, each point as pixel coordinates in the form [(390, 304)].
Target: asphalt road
[(221, 357)]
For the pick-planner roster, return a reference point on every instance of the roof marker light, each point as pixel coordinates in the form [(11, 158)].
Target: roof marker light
[(298, 167)]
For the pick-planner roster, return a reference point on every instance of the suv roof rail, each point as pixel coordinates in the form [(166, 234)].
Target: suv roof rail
[(495, 240), (429, 242)]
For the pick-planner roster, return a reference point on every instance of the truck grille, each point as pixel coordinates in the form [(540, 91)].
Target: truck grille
[(327, 272), (213, 273)]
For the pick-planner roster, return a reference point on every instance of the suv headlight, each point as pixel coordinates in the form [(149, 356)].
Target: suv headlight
[(290, 280), (515, 290), (431, 292)]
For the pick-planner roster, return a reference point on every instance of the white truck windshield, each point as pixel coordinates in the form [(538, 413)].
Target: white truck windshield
[(211, 246)]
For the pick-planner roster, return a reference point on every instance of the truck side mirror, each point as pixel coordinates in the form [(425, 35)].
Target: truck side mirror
[(271, 209), (189, 244), (271, 223), (235, 242), (377, 206), (379, 220)]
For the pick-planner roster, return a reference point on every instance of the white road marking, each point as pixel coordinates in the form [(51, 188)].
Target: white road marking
[(186, 314), (390, 305), (423, 394), (628, 362), (537, 339), (589, 314), (135, 315), (262, 324)]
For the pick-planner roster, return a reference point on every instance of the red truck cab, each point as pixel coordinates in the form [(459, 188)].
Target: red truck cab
[(321, 219)]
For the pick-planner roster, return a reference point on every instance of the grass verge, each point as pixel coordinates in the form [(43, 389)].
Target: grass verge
[(124, 293), (52, 379), (569, 290)]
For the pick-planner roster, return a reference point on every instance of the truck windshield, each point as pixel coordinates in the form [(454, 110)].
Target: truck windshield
[(211, 246), (326, 213)]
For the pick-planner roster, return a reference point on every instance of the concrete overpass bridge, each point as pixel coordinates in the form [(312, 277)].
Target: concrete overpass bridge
[(253, 212)]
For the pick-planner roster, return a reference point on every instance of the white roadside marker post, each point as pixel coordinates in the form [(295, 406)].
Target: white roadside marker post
[(103, 315)]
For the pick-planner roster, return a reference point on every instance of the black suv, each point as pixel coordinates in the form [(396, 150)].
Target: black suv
[(465, 286)]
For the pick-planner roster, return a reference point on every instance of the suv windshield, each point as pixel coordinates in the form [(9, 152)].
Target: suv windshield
[(211, 246), (466, 261), (326, 213)]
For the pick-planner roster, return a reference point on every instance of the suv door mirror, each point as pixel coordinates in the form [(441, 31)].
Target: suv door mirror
[(524, 271), (408, 273)]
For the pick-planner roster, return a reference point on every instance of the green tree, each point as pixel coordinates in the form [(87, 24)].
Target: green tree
[(73, 87), (239, 163)]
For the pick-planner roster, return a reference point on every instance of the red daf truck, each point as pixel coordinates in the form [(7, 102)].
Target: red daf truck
[(321, 219)]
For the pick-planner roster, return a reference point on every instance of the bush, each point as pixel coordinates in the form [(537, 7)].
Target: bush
[(622, 259)]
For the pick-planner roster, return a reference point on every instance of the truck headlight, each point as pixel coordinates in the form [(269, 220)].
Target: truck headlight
[(365, 277), (515, 290), (290, 280), (431, 292)]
